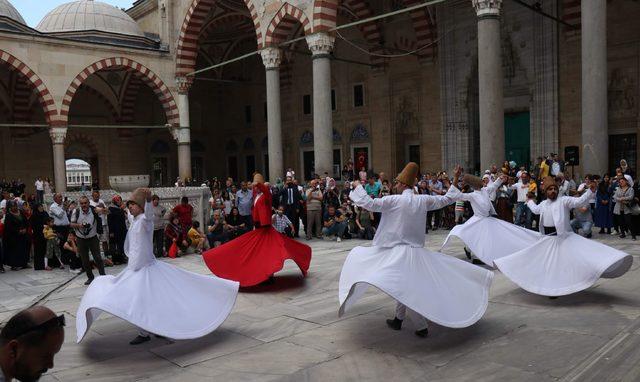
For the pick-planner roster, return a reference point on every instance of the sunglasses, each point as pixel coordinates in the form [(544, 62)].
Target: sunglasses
[(55, 322)]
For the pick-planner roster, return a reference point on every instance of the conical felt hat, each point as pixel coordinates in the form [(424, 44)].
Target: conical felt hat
[(408, 174), (473, 181), (258, 178)]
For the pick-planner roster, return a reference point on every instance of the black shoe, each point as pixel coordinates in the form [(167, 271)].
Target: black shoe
[(601, 231), (553, 297), (622, 236), (88, 282), (589, 236), (422, 333), (15, 268), (466, 252), (395, 324), (478, 262), (139, 340), (1, 269), (160, 337)]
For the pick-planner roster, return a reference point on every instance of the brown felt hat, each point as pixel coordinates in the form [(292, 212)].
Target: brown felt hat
[(258, 178), (408, 174), (548, 182), (473, 181), (139, 197)]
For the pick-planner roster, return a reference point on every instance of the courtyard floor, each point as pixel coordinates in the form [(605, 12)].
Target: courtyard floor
[(290, 331)]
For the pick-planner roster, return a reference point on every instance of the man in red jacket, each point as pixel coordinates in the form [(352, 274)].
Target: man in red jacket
[(184, 210)]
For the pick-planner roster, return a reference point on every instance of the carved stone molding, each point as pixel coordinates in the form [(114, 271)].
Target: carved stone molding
[(181, 135), (58, 135), (487, 7), (184, 84), (271, 57), (321, 43)]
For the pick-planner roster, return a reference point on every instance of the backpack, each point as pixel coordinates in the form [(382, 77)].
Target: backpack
[(96, 219)]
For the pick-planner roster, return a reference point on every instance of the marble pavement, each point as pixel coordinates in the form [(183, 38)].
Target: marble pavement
[(291, 332)]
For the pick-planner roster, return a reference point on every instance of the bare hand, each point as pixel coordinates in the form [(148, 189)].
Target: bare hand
[(355, 183), (457, 171)]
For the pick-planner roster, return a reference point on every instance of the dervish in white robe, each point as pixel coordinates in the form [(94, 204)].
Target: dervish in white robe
[(487, 237), (562, 262), (441, 288), (155, 296)]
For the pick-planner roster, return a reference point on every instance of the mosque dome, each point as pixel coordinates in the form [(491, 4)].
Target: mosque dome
[(89, 15), (6, 9)]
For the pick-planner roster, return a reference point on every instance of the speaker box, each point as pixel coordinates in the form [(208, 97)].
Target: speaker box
[(572, 155)]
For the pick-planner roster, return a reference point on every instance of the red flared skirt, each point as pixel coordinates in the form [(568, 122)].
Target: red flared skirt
[(253, 257)]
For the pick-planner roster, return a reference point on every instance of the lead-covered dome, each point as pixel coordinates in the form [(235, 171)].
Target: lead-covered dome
[(89, 15), (8, 10)]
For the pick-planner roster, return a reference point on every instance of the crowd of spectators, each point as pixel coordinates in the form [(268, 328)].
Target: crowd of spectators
[(89, 234)]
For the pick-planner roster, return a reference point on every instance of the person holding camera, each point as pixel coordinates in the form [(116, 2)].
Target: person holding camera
[(87, 224), (314, 210), (334, 223), (217, 229)]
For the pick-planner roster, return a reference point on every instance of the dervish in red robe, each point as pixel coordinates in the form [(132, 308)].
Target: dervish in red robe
[(255, 256)]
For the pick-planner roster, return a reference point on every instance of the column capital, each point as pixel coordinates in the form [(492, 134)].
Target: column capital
[(58, 135), (182, 135), (320, 43), (184, 84), (490, 8), (271, 57)]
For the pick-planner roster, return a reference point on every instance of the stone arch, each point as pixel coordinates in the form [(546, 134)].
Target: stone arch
[(424, 27), (85, 149), (115, 115), (44, 96), (325, 14), (146, 75), (187, 47), (283, 22)]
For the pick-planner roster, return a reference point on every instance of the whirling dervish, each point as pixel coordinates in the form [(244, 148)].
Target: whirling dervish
[(157, 297), (441, 288), (477, 231), (562, 262), (254, 257)]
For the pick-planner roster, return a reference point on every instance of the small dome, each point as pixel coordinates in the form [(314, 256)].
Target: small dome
[(6, 9), (86, 15)]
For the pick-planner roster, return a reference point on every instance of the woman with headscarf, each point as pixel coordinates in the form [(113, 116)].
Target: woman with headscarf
[(16, 238), (626, 170), (603, 212), (624, 196), (37, 221)]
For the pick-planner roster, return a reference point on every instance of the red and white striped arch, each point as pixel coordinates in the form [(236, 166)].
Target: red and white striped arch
[(571, 13), (359, 10), (425, 29), (146, 75), (284, 22), (187, 48), (325, 18), (44, 96)]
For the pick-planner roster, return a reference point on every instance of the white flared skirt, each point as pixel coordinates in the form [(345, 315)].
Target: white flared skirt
[(564, 264), (443, 289), (161, 299), (490, 238)]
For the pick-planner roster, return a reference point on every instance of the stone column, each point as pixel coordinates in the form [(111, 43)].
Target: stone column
[(182, 134), (271, 58), (58, 135), (595, 132), (490, 83), (321, 45)]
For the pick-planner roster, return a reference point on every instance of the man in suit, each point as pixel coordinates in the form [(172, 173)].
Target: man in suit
[(291, 199)]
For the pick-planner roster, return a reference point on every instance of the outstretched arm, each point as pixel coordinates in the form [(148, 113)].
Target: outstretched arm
[(535, 208), (436, 202), (493, 186), (361, 199), (573, 202)]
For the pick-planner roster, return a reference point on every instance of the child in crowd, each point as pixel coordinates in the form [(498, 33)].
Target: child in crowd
[(53, 248), (197, 237)]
